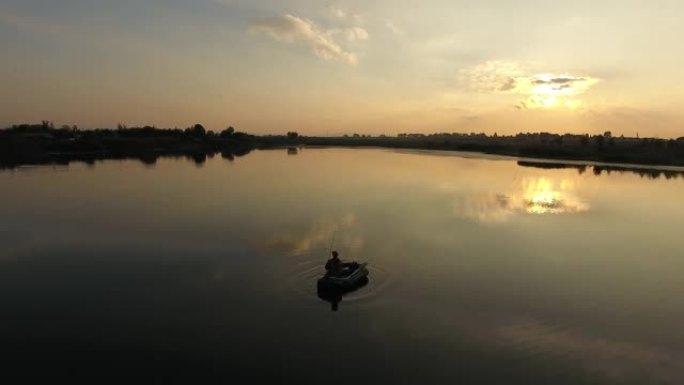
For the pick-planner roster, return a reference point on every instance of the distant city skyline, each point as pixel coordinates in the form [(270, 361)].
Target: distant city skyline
[(343, 67)]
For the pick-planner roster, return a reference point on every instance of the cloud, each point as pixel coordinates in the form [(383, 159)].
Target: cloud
[(294, 30), (338, 12), (493, 76), (342, 14), (543, 90), (393, 28), (564, 84), (507, 84), (317, 237), (562, 80), (356, 34)]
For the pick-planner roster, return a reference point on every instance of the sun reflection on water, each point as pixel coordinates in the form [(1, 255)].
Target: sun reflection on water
[(542, 197), (535, 196)]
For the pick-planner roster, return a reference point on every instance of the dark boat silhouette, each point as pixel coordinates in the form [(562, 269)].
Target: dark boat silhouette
[(332, 289), (329, 281)]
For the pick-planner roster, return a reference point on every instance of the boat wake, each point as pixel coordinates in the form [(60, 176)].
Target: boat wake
[(309, 268)]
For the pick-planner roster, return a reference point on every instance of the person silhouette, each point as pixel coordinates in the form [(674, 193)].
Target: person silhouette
[(336, 267)]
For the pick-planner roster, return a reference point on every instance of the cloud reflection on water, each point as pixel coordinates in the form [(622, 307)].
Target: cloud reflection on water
[(317, 236), (534, 196)]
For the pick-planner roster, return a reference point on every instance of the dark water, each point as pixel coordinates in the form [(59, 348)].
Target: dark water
[(481, 271)]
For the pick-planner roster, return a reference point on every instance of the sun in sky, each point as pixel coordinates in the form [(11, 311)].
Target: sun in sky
[(533, 90), (552, 91), (373, 67)]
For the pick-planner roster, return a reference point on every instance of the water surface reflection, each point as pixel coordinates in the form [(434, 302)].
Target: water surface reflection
[(481, 271), (600, 169), (319, 236), (539, 195)]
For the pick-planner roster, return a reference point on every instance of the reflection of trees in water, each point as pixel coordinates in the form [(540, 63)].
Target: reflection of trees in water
[(227, 156), (147, 158), (600, 170), (199, 159), (642, 172)]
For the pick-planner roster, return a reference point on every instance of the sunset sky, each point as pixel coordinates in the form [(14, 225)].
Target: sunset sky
[(329, 68)]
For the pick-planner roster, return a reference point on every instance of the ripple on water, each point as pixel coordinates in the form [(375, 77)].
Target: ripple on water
[(302, 281)]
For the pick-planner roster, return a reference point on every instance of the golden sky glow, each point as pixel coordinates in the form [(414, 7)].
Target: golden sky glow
[(326, 68)]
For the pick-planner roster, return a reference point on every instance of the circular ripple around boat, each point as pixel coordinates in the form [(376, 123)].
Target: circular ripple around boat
[(379, 280), (303, 281)]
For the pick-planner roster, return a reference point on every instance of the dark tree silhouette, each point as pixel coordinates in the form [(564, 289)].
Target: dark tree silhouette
[(197, 130), (228, 132), (599, 141), (47, 125)]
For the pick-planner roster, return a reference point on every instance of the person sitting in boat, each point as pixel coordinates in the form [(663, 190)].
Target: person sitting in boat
[(336, 267)]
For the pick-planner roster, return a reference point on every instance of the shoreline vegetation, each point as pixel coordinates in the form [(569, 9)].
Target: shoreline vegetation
[(38, 144)]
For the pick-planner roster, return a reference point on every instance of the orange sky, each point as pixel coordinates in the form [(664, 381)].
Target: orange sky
[(371, 67)]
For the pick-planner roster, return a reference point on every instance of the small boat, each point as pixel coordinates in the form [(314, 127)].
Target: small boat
[(334, 295), (349, 281)]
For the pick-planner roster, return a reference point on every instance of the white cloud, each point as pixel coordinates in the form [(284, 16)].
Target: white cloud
[(294, 30), (342, 14), (543, 90), (338, 12), (356, 34), (493, 76)]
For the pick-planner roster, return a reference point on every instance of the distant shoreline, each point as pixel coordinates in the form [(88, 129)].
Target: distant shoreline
[(647, 152), (43, 144), (522, 161)]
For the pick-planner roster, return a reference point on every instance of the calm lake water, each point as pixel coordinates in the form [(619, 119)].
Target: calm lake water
[(481, 271)]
